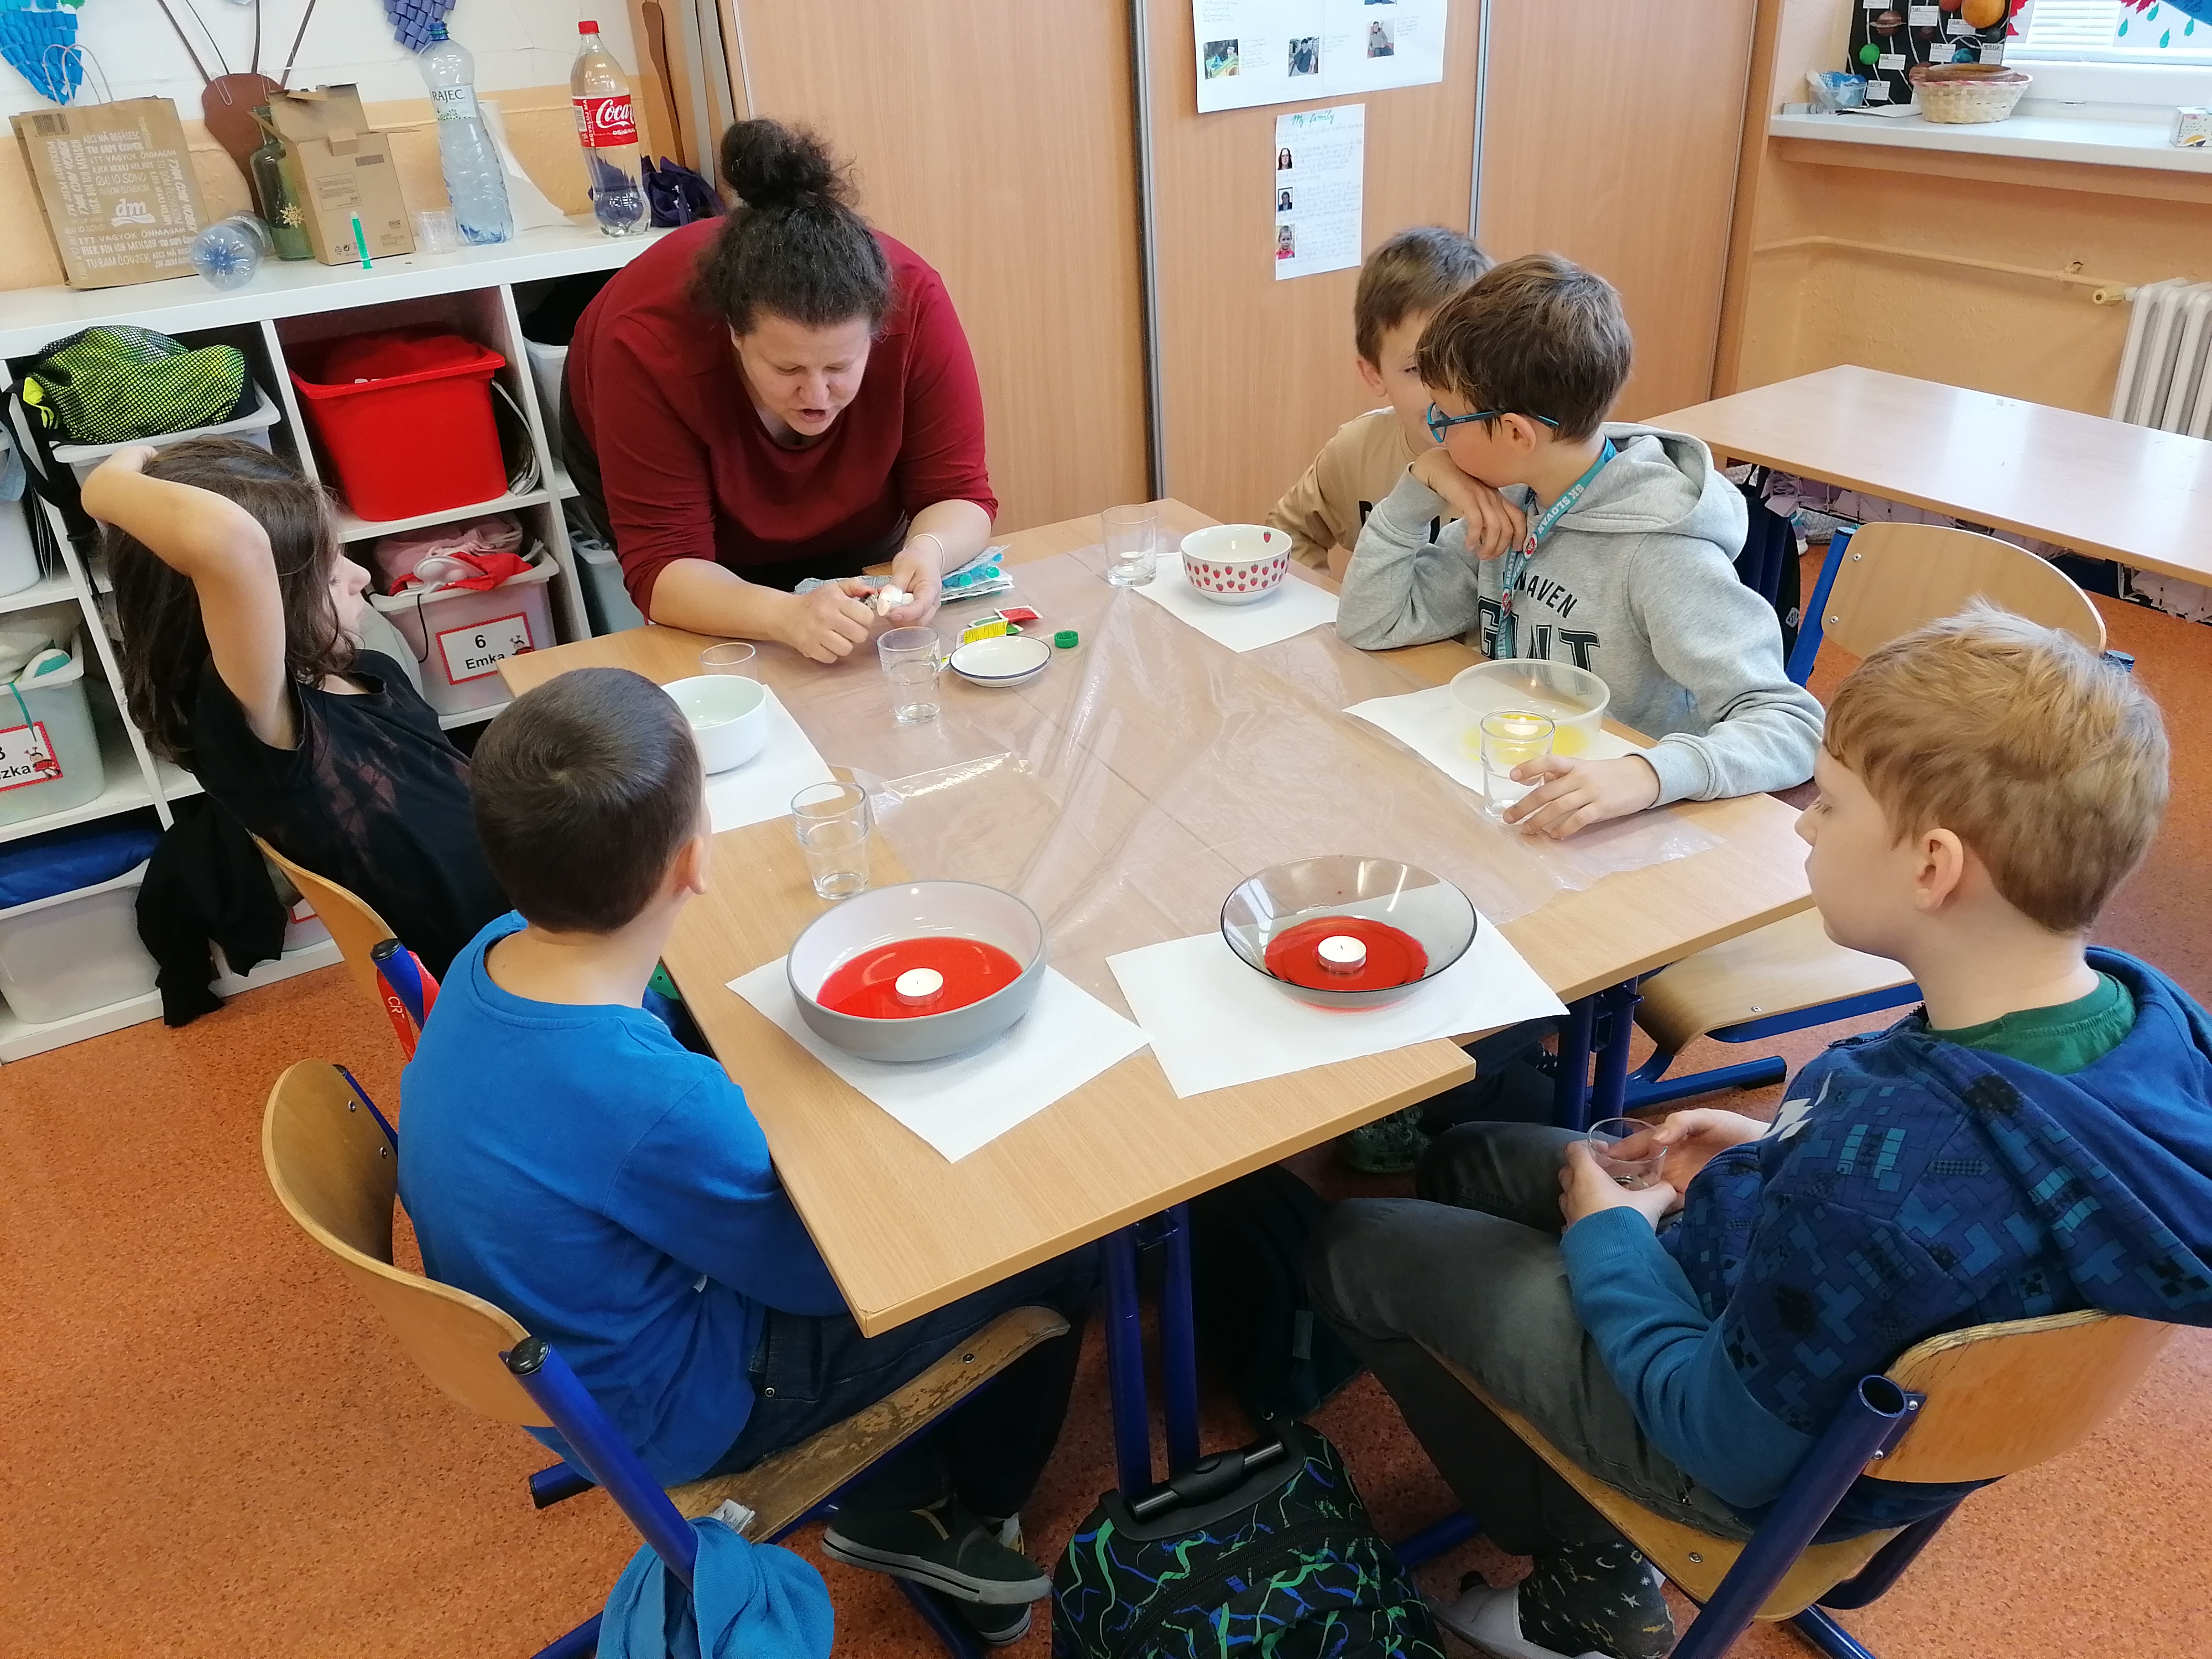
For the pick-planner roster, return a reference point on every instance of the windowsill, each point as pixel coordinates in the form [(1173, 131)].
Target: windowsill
[(2031, 134)]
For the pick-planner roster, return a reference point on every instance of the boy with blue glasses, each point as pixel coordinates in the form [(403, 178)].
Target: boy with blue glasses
[(1609, 546)]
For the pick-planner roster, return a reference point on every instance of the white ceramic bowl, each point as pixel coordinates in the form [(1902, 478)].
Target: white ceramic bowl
[(1279, 898), (885, 915), (1235, 563), (728, 715), (1572, 698), (1003, 659)]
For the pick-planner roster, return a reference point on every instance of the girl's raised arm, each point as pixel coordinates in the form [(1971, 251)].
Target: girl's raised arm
[(223, 552)]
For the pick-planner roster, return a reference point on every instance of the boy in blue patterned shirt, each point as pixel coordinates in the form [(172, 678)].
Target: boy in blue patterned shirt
[(2036, 1138)]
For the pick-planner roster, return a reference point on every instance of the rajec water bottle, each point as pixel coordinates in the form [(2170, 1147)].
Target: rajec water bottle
[(470, 158), (607, 129)]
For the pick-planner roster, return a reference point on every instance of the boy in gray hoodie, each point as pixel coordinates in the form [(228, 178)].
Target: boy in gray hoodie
[(1610, 546)]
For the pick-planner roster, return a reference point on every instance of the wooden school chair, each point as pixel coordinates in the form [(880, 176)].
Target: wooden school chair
[(333, 1162), (1972, 1404), (1878, 582), (373, 954)]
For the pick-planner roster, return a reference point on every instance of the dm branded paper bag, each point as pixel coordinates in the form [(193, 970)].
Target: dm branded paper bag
[(115, 184)]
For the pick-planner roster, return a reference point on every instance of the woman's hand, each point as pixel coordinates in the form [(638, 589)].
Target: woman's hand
[(918, 572), (824, 624), (1572, 795), (1585, 1189), (1494, 525)]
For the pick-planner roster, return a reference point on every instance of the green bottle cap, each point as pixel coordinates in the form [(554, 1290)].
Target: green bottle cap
[(1065, 639)]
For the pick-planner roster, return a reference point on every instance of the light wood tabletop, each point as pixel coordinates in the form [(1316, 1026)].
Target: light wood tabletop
[(2098, 486), (905, 1231)]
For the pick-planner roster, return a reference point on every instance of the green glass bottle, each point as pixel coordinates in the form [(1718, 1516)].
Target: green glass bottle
[(272, 195)]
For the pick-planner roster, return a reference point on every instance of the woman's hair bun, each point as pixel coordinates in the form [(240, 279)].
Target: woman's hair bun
[(769, 165)]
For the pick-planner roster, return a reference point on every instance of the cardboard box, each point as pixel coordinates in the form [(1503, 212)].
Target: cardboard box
[(339, 170), (115, 186), (2193, 128)]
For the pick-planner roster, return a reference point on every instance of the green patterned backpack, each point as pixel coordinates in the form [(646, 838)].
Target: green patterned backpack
[(1267, 1551), (116, 385)]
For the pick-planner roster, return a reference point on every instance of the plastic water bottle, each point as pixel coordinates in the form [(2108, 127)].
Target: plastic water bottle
[(465, 150), (229, 251), (606, 126)]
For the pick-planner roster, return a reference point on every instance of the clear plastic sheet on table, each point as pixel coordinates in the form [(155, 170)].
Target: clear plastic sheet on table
[(1126, 791)]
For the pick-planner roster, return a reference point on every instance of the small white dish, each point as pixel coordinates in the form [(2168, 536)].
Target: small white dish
[(1003, 660), (728, 717)]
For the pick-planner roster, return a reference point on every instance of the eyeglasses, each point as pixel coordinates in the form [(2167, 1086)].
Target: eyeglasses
[(1438, 422)]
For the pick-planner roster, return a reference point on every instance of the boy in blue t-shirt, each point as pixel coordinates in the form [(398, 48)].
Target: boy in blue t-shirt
[(2037, 1138), (567, 1159)]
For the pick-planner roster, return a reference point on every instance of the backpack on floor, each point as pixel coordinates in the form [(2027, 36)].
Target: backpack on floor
[(1249, 1299), (1266, 1551)]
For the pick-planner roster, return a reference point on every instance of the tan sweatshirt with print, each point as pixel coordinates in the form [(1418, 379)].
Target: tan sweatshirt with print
[(1357, 468)]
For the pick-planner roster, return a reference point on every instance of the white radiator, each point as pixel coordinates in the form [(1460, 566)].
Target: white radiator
[(2166, 370)]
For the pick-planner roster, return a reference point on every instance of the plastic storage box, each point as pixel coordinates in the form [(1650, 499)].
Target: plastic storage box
[(81, 458), (406, 443), (19, 554), (460, 636), (50, 757), (76, 951), (606, 598), (548, 363)]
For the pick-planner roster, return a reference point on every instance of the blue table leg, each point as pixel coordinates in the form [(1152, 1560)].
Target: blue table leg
[(1570, 1090), (1125, 1364), (1610, 1091), (1179, 1344)]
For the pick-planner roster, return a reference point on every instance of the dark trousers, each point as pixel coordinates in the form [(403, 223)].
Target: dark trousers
[(1471, 1269), (810, 1372)]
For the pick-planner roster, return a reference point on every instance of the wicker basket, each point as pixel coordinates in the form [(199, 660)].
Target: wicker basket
[(1959, 95)]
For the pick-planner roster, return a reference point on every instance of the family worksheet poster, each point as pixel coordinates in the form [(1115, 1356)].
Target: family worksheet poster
[(1280, 51)]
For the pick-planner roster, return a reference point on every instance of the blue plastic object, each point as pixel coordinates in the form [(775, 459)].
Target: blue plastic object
[(63, 860)]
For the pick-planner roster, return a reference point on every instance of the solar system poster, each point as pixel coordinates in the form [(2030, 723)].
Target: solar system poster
[(1889, 37)]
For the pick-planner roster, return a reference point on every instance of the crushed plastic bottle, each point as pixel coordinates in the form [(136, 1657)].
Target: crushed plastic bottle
[(229, 251)]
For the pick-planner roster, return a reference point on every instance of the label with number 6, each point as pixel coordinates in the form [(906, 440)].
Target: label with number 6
[(478, 649)]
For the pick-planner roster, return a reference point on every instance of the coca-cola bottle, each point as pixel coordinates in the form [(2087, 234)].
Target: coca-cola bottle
[(608, 131)]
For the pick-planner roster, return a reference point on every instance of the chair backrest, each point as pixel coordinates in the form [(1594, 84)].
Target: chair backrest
[(2003, 1397), (336, 1172), (1893, 577), (356, 929)]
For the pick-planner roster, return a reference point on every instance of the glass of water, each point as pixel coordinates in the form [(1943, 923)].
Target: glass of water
[(735, 658), (831, 820), (911, 657), (1509, 737), (1130, 533), (1608, 1138)]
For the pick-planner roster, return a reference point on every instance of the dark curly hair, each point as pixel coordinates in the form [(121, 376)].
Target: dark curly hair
[(165, 645), (794, 246)]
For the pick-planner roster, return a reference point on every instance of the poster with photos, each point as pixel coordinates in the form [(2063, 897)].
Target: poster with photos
[(1280, 51), (1890, 37), (1321, 169)]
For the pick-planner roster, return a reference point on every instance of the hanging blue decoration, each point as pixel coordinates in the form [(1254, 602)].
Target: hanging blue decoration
[(40, 42), (2199, 10), (411, 20)]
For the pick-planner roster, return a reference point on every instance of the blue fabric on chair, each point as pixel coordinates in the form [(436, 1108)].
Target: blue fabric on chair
[(751, 1602)]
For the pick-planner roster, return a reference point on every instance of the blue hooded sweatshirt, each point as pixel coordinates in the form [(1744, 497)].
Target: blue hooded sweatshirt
[(1910, 1186)]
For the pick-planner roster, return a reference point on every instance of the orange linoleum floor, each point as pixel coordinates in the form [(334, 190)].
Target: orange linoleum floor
[(209, 1446)]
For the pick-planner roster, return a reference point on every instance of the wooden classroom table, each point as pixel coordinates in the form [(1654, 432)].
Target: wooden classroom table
[(2098, 486), (905, 1231)]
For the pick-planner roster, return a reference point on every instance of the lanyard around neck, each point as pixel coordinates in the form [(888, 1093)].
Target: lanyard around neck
[(1516, 559)]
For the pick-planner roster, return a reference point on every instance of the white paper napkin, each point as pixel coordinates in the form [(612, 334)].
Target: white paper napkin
[(957, 1104), (762, 787), (1293, 608), (1215, 1023), (1429, 724)]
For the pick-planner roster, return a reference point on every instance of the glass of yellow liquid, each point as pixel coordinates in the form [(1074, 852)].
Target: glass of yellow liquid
[(1511, 737)]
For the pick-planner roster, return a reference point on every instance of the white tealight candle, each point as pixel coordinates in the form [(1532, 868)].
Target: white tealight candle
[(918, 985), (1340, 953)]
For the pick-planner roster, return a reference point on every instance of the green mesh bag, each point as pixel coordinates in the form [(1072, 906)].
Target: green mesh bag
[(115, 386)]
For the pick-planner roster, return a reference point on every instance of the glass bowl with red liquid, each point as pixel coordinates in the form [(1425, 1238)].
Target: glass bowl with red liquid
[(1348, 932), (918, 971)]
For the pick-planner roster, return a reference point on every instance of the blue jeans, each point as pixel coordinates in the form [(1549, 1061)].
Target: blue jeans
[(810, 1372)]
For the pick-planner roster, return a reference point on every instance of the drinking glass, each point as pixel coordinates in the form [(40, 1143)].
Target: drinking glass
[(1509, 737), (1604, 1138), (911, 657), (735, 658), (1129, 542), (831, 820)]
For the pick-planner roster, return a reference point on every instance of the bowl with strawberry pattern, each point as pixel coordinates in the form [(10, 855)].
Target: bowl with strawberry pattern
[(1235, 563)]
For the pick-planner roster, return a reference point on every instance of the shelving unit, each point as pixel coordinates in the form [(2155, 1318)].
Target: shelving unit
[(285, 307)]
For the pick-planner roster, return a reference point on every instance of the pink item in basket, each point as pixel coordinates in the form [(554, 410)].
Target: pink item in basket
[(1235, 563), (489, 544)]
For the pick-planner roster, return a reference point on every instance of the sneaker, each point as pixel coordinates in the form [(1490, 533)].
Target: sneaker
[(943, 1547), (1389, 1145), (1489, 1622), (995, 1626)]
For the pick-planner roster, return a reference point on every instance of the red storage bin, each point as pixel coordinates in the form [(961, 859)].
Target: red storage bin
[(405, 417)]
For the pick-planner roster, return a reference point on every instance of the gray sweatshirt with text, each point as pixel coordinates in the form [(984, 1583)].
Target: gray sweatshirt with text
[(1637, 584)]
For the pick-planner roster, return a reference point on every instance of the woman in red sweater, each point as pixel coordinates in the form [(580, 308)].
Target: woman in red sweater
[(778, 394)]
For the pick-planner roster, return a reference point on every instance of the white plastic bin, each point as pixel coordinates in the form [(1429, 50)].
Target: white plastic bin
[(73, 953), (460, 636), (548, 363), (19, 554), (253, 427), (605, 599), (50, 757)]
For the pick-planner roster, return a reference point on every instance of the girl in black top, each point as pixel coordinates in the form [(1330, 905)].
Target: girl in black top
[(241, 660)]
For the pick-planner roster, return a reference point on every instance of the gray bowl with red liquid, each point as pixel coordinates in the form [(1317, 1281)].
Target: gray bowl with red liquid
[(913, 910), (1367, 892)]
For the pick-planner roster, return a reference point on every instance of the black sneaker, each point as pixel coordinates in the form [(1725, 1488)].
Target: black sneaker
[(943, 1547), (995, 1626)]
